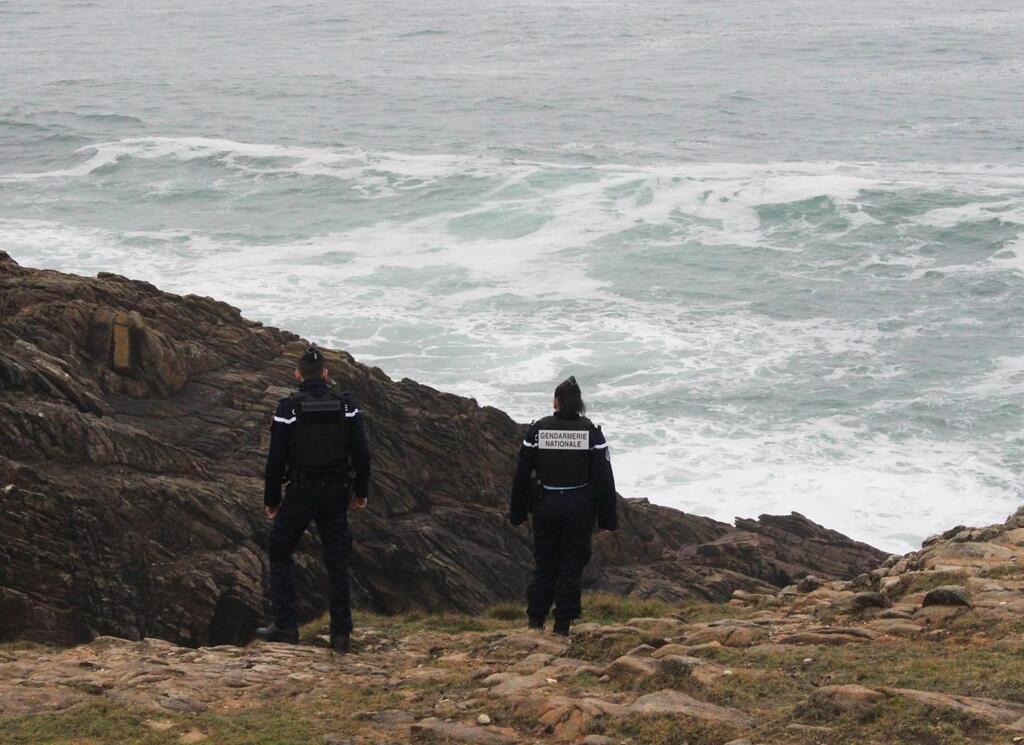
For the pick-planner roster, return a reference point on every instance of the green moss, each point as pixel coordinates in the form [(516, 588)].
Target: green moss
[(606, 609), (107, 722), (508, 611), (667, 730), (696, 612), (931, 580), (1003, 571), (896, 720), (25, 646)]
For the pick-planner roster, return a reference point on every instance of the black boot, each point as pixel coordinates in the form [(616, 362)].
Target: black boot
[(341, 643), (562, 626), (274, 633), (537, 623)]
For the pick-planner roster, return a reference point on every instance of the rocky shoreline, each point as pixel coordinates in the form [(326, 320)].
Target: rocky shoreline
[(926, 649), (130, 472)]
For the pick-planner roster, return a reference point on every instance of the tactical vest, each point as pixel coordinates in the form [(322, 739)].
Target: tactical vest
[(319, 436), (563, 451)]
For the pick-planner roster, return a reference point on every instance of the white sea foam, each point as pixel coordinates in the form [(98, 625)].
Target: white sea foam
[(722, 315)]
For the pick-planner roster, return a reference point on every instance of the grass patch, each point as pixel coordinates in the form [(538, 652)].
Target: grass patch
[(599, 607), (991, 669), (507, 611), (413, 622), (108, 722), (26, 646), (994, 624), (931, 580), (896, 720), (696, 612), (668, 730), (1003, 571)]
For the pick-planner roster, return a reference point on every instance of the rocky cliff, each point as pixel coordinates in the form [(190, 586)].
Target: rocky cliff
[(134, 427)]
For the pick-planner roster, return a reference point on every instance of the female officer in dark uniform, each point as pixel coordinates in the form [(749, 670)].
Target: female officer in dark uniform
[(570, 457)]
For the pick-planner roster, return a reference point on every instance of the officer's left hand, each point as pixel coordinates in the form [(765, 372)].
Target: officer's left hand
[(271, 510), (359, 503)]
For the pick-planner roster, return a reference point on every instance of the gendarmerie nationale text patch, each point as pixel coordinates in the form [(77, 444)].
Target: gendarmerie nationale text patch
[(563, 439)]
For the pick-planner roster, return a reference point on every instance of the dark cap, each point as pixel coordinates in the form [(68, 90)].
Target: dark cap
[(571, 381), (313, 354)]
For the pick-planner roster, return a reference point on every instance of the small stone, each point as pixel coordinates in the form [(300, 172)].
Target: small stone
[(808, 660), (192, 736), (598, 740), (158, 725), (483, 720), (604, 678)]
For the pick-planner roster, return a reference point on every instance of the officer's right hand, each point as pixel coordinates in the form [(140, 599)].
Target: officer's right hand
[(271, 510), (359, 503)]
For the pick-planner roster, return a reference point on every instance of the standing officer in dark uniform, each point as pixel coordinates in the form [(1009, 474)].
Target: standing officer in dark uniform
[(570, 457), (316, 438)]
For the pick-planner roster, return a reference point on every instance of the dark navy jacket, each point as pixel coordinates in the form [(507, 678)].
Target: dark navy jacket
[(280, 433), (602, 481)]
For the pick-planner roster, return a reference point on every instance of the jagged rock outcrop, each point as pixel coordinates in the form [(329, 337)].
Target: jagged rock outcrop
[(135, 425)]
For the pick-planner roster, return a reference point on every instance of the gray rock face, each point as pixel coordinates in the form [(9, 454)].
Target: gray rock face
[(131, 458)]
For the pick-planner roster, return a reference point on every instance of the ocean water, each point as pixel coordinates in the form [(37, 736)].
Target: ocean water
[(780, 244)]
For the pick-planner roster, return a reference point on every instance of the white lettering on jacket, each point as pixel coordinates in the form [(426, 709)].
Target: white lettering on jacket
[(563, 439)]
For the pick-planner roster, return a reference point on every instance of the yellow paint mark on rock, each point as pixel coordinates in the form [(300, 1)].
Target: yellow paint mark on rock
[(122, 348)]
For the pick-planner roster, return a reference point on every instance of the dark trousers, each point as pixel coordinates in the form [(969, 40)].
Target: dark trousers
[(326, 504), (563, 523)]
